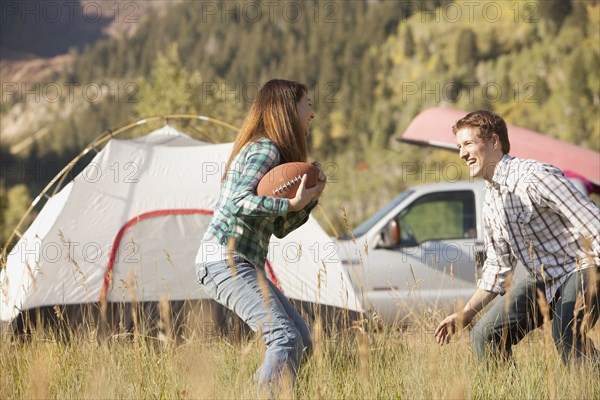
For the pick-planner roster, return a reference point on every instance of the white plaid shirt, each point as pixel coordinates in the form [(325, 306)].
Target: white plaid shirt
[(534, 214)]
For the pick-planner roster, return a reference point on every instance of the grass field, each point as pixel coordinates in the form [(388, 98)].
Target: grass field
[(358, 362), (351, 364)]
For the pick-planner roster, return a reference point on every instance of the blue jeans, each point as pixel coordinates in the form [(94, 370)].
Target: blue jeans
[(285, 333), (507, 322)]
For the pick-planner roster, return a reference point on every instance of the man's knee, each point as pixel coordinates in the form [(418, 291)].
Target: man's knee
[(478, 339), (487, 340)]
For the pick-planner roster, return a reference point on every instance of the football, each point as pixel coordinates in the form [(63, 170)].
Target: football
[(283, 181)]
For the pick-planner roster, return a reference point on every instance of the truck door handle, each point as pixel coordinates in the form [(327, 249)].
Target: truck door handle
[(385, 288)]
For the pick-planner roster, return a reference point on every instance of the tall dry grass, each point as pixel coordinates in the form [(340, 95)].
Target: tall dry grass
[(354, 363), (350, 361)]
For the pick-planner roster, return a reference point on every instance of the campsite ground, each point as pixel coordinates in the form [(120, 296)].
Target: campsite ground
[(354, 363)]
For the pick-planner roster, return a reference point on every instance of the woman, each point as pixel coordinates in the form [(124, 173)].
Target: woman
[(230, 261)]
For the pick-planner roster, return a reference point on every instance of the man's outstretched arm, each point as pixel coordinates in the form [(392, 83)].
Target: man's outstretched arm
[(452, 323)]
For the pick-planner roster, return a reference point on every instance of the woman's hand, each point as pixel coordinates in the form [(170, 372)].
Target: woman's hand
[(322, 179), (305, 195)]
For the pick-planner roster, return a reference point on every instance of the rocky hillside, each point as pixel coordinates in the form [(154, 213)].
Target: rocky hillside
[(39, 38)]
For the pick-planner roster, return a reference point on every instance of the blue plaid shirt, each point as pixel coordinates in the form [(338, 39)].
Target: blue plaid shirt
[(247, 218)]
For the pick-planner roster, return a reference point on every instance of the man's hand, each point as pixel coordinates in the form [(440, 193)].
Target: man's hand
[(457, 321), (448, 327)]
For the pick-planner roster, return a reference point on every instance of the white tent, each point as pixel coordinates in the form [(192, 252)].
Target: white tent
[(128, 228)]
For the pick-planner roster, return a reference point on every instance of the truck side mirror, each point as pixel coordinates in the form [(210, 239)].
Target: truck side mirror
[(389, 237)]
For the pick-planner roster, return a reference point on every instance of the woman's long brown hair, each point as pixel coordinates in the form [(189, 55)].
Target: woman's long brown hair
[(274, 116)]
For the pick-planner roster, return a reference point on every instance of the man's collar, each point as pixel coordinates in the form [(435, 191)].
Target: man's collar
[(502, 175)]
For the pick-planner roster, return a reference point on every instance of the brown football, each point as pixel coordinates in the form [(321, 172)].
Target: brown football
[(283, 180)]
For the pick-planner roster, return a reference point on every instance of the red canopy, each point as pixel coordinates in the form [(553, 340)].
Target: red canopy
[(434, 127)]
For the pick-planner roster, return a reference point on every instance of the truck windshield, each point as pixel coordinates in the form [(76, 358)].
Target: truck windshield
[(368, 224)]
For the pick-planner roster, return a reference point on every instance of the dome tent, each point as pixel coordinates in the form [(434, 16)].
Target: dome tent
[(127, 228)]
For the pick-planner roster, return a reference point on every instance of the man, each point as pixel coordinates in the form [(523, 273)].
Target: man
[(532, 214)]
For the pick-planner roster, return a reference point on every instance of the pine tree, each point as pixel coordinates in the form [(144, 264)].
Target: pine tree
[(553, 13), (466, 49), (169, 87), (18, 200), (3, 208), (409, 42)]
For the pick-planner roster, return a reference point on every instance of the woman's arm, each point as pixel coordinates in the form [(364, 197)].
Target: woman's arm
[(293, 220), (309, 197), (259, 158)]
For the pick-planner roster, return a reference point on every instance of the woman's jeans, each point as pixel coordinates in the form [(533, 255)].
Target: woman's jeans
[(285, 333), (509, 320)]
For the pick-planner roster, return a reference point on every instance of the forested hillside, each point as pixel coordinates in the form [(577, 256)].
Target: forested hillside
[(371, 66)]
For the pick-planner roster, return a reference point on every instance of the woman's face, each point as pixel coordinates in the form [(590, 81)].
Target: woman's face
[(305, 113)]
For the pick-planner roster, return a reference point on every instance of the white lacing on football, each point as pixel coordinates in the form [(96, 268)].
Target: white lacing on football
[(287, 185)]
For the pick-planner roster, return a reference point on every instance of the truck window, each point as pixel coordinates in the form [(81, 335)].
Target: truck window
[(375, 218), (438, 216)]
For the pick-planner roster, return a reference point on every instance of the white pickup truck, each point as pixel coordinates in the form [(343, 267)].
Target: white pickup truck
[(421, 251)]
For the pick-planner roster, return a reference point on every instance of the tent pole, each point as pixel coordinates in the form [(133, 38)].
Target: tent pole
[(102, 138)]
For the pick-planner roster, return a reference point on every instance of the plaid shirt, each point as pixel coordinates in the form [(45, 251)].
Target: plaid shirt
[(535, 215), (246, 217)]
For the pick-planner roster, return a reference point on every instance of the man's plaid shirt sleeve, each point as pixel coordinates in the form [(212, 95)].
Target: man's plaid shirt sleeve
[(499, 260), (552, 189)]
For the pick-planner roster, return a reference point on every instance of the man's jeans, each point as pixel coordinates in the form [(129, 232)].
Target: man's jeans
[(508, 321), (285, 333)]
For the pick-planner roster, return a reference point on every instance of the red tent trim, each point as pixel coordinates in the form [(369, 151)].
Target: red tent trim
[(152, 214), (125, 228), (271, 275)]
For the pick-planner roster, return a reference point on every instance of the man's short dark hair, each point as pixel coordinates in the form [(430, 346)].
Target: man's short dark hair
[(488, 123)]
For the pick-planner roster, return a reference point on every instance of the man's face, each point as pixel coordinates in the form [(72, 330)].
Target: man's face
[(481, 156)]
